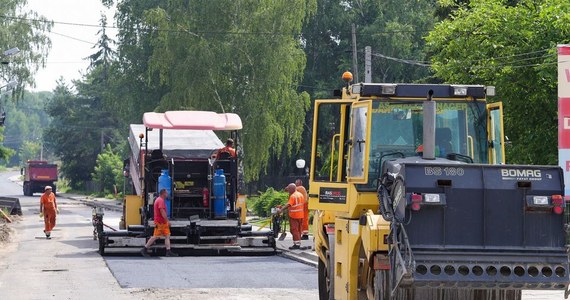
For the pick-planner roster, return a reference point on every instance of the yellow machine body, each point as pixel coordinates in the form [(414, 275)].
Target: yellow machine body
[(349, 232), (133, 204)]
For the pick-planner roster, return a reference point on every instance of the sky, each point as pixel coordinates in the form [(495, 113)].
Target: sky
[(71, 44)]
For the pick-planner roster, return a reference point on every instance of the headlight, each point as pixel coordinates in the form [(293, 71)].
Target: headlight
[(388, 89), (459, 90)]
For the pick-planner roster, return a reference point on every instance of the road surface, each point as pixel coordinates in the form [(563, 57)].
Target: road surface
[(68, 266)]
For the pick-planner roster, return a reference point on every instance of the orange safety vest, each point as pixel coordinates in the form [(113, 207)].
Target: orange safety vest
[(227, 149), (48, 201), (297, 205)]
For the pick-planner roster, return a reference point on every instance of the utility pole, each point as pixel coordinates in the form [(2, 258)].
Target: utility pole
[(368, 64), (354, 54), (102, 141)]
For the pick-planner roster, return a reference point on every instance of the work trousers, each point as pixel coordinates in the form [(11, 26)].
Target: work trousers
[(296, 229), (49, 219)]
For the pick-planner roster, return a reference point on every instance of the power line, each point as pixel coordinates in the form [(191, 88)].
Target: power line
[(505, 64), (210, 32), (73, 38), (405, 61)]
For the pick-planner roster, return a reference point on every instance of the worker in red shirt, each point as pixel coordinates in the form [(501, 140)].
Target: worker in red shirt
[(229, 148), (161, 225), (301, 189), (296, 212), (48, 210)]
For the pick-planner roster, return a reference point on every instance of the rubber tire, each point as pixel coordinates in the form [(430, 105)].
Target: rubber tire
[(276, 226), (27, 191), (323, 282), (102, 246)]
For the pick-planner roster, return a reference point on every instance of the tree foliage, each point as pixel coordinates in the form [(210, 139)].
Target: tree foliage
[(30, 38), (247, 60), (29, 150), (27, 31), (512, 45), (25, 121), (271, 198), (83, 122), (108, 170), (79, 127)]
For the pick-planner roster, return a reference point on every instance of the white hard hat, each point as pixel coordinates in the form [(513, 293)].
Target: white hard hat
[(47, 187)]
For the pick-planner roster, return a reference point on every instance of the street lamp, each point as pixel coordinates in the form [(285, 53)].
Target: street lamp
[(10, 85), (10, 52)]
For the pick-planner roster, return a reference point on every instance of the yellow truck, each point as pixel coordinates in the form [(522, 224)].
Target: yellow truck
[(414, 200)]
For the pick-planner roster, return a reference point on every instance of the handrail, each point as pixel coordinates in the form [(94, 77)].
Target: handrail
[(332, 155), (470, 146)]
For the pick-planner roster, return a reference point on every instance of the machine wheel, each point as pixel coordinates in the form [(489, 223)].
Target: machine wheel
[(102, 246), (323, 281), (276, 221), (27, 189), (380, 290)]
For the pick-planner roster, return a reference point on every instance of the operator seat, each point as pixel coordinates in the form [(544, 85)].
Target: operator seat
[(443, 141), (223, 161)]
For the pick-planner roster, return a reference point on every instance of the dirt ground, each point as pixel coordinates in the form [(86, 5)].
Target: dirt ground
[(6, 230)]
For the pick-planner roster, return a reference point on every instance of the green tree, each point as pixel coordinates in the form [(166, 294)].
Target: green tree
[(25, 30), (29, 150), (108, 171), (25, 120), (79, 128), (133, 89), (248, 60), (512, 45)]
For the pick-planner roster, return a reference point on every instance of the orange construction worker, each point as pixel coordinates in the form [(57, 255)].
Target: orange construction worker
[(161, 225), (229, 148), (301, 189), (296, 212), (48, 210)]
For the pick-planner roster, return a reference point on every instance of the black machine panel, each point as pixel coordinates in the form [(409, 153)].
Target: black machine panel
[(478, 201)]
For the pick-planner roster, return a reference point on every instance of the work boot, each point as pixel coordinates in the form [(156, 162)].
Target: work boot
[(305, 237), (169, 253), (295, 247), (144, 252)]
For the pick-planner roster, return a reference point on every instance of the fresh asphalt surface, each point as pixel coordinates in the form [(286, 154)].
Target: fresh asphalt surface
[(212, 272)]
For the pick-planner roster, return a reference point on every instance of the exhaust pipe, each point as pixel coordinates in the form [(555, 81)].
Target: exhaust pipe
[(429, 127)]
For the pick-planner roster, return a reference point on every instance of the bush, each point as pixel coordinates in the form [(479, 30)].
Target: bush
[(108, 171), (263, 203)]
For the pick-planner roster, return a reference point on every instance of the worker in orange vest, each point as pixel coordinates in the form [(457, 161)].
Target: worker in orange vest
[(296, 212), (48, 210), (301, 189), (229, 148)]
